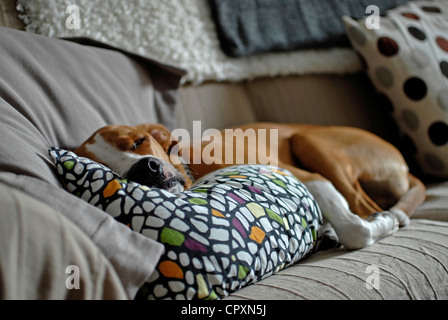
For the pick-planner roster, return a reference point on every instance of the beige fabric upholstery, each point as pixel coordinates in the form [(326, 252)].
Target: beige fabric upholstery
[(436, 204), (326, 100), (317, 99), (411, 265), (38, 112), (38, 244)]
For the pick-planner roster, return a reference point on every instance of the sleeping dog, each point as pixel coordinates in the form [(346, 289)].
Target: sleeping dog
[(360, 182)]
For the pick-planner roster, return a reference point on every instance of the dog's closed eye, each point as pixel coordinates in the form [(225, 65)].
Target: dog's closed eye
[(138, 143)]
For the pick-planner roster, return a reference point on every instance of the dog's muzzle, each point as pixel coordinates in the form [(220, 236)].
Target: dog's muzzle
[(156, 173)]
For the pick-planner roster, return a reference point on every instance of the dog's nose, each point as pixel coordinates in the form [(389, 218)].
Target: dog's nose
[(154, 165), (146, 171)]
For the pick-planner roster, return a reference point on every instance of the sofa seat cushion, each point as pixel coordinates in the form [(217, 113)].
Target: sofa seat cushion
[(233, 227), (436, 205), (413, 264)]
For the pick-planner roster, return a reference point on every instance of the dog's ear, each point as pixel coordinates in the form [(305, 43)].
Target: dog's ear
[(161, 134)]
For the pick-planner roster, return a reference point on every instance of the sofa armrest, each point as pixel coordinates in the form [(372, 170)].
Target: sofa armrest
[(43, 255)]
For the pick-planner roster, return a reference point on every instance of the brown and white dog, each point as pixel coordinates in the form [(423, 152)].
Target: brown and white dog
[(353, 175)]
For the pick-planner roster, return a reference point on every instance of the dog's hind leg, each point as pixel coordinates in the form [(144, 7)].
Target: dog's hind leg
[(319, 154), (408, 203), (353, 231)]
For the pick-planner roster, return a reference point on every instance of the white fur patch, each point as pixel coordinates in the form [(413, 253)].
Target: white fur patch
[(353, 232), (119, 161), (402, 217)]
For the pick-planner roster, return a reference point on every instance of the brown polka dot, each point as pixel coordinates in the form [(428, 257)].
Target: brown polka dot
[(410, 15), (415, 88), (431, 9), (417, 33), (442, 43), (438, 133), (387, 46)]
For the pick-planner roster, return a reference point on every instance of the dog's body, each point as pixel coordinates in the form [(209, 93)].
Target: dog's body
[(347, 170)]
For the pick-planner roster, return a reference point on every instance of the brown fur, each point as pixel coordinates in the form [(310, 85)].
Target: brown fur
[(156, 141), (369, 172)]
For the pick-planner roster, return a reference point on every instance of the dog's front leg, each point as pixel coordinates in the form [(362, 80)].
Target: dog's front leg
[(353, 232)]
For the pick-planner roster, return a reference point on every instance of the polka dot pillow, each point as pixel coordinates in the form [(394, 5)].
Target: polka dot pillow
[(407, 61), (234, 227)]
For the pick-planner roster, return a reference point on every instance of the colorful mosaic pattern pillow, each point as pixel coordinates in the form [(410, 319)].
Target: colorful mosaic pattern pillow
[(234, 227), (407, 61)]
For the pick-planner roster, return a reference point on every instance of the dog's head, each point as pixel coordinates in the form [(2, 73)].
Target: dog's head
[(138, 153)]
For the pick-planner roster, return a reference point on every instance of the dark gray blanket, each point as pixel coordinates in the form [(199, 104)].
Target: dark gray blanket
[(252, 26)]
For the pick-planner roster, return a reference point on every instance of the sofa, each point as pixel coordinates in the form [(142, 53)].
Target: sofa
[(54, 245)]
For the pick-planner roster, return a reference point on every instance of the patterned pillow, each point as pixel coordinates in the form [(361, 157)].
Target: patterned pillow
[(234, 227), (407, 61)]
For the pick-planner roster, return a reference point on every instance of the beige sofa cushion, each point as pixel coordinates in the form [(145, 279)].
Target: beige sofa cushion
[(317, 99), (216, 105), (57, 93), (411, 265), (38, 249), (436, 205)]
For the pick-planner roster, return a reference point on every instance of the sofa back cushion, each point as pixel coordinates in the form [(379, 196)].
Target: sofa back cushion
[(57, 93)]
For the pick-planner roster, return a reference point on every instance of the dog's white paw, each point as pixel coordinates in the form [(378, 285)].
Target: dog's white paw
[(329, 238), (387, 221), (402, 217)]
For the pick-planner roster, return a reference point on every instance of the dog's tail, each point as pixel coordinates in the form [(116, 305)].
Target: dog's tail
[(413, 198)]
